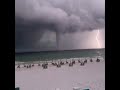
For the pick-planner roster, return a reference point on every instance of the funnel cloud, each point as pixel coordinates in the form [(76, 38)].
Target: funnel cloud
[(35, 18)]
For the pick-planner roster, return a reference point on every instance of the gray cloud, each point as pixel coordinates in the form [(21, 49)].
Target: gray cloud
[(35, 17)]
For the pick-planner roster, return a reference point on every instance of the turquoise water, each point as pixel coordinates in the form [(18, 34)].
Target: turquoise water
[(50, 55)]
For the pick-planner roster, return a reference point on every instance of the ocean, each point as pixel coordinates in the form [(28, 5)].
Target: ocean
[(54, 55)]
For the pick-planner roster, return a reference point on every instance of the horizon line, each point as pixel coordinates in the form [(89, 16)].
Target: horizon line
[(37, 51)]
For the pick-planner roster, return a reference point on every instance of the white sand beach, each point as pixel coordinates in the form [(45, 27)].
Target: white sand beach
[(91, 76)]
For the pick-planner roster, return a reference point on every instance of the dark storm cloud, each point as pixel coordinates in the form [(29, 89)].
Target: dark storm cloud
[(66, 15), (34, 17)]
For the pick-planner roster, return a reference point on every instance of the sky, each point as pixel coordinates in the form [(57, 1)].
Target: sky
[(59, 24)]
